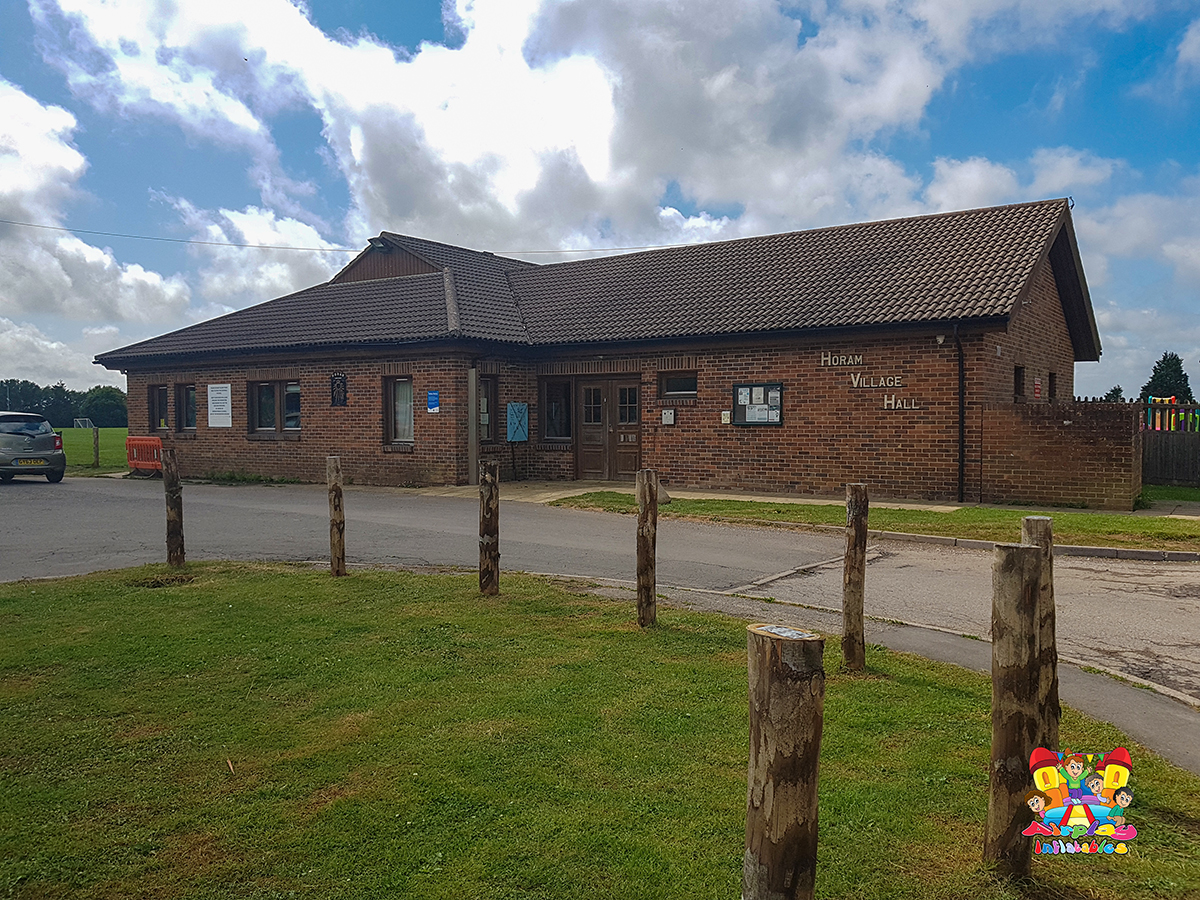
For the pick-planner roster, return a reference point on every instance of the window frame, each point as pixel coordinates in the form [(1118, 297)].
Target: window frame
[(544, 392), (390, 435), (157, 400), (665, 394), (182, 393), (487, 400), (279, 390)]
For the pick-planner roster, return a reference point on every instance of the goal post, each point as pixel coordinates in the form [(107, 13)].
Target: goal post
[(83, 423)]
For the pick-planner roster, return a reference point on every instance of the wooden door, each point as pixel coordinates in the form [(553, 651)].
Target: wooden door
[(609, 429)]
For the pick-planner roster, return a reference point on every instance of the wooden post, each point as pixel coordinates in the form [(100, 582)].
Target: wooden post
[(489, 528), (95, 447), (647, 542), (854, 575), (173, 489), (1016, 719), (337, 516), (1039, 531), (787, 705)]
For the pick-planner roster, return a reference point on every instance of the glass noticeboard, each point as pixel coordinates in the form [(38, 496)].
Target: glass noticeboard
[(758, 404)]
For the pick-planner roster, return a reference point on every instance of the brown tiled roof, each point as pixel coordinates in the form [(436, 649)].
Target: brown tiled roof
[(963, 265), (363, 312), (972, 265)]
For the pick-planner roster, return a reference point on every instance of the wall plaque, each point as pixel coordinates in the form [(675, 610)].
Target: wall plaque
[(338, 391)]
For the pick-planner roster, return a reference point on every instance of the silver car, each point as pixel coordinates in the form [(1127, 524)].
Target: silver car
[(29, 446)]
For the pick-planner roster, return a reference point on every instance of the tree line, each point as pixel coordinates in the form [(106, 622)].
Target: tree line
[(103, 404)]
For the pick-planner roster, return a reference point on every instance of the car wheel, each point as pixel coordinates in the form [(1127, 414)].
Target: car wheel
[(54, 477)]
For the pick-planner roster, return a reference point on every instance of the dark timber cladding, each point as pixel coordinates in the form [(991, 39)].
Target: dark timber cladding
[(869, 352)]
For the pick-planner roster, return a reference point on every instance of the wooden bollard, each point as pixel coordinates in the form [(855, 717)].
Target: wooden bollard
[(1016, 719), (337, 516), (854, 576), (173, 489), (489, 528), (647, 544), (787, 707), (95, 447), (1039, 531)]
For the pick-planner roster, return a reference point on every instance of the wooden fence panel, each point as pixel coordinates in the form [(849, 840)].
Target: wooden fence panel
[(1171, 457)]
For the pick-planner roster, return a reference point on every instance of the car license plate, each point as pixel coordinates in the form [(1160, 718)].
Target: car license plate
[(31, 462)]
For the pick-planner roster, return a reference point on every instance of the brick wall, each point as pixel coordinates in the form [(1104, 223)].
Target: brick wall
[(1062, 454), (355, 432)]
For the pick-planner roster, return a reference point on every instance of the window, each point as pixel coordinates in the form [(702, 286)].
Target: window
[(1018, 383), (593, 409), (1053, 386), (158, 407), (556, 406), (399, 418), (677, 384), (185, 407), (488, 407), (275, 406), (627, 406)]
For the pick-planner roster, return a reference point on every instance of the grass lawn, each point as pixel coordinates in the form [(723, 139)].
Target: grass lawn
[(258, 731), (77, 442), (1087, 529)]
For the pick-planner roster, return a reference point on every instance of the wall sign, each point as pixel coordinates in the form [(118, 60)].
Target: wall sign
[(431, 402), (758, 404), (220, 406), (517, 419), (338, 390)]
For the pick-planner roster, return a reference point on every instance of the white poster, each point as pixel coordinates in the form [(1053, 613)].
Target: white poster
[(220, 406)]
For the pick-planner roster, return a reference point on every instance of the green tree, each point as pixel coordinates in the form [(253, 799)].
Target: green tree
[(1115, 394), (20, 396), (1168, 380), (61, 405), (105, 406)]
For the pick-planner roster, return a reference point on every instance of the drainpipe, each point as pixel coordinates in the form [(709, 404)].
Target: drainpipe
[(962, 417)]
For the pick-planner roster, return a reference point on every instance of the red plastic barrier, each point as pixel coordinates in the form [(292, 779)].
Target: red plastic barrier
[(144, 453)]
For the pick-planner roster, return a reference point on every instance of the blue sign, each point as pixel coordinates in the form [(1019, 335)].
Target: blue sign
[(433, 402), (518, 422)]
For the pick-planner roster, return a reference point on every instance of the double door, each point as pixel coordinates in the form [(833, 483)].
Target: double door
[(610, 446)]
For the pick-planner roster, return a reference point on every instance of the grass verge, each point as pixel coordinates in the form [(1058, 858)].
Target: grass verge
[(77, 443), (268, 731), (976, 523), (1166, 492)]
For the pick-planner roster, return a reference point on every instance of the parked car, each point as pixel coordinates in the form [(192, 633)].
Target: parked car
[(29, 446)]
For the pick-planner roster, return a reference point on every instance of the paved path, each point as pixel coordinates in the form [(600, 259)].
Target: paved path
[(1140, 619)]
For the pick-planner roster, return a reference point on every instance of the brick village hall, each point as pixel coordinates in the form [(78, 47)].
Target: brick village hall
[(931, 357)]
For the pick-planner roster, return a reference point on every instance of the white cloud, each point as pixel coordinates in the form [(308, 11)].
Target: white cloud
[(1187, 57), (230, 277), (30, 355), (48, 273), (970, 183)]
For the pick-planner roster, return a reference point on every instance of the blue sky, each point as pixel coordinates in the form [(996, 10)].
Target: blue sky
[(540, 125)]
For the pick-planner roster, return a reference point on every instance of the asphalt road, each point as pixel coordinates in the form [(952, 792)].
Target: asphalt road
[(1138, 618)]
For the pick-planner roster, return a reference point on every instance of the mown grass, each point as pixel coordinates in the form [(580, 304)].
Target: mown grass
[(259, 731), (977, 523), (77, 443)]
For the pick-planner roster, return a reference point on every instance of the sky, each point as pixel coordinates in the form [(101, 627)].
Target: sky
[(527, 126)]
